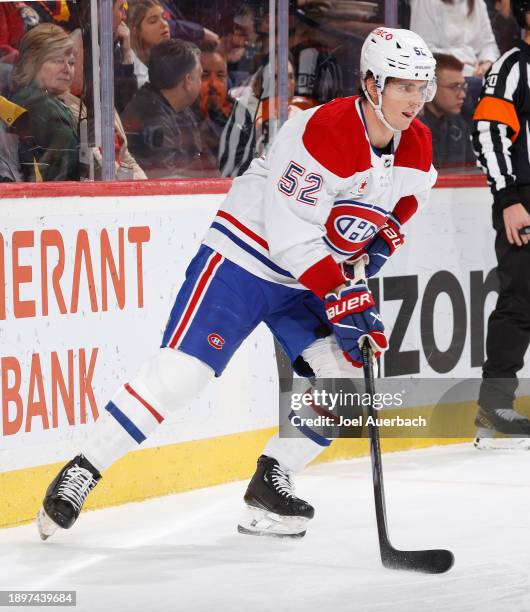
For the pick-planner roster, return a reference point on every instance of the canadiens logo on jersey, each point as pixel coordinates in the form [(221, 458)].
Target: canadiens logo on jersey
[(351, 225), (216, 341)]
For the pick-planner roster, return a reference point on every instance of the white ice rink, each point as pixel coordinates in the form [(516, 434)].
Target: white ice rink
[(182, 552)]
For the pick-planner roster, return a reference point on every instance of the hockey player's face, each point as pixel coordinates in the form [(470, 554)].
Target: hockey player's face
[(402, 101)]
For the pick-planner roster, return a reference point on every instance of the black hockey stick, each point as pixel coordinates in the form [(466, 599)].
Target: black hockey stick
[(428, 561)]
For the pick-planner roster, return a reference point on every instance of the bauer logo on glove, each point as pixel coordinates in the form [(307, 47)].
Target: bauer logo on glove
[(355, 318), (356, 303)]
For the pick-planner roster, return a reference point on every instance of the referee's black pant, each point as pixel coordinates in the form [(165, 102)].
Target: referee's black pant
[(508, 332)]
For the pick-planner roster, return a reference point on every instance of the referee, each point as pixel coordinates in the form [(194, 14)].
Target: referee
[(501, 142)]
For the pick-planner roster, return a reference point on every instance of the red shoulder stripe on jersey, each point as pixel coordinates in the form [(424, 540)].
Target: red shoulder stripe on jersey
[(405, 208), (323, 277), (335, 137), (415, 147), (502, 111)]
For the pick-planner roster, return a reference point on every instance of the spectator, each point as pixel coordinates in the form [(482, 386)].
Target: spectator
[(318, 73), (186, 30), (239, 42), (162, 131), (11, 31), (62, 12), (213, 105), (9, 161), (148, 25), (126, 166), (125, 83), (461, 28), (247, 133), (451, 134), (506, 30), (457, 27), (48, 140)]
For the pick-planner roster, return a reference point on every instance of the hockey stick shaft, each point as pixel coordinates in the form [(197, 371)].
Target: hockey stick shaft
[(375, 452), (430, 561)]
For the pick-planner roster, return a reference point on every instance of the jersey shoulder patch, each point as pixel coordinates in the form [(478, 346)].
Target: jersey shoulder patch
[(335, 137), (415, 147)]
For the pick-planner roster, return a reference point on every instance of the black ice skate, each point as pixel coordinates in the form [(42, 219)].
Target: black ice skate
[(66, 495), (272, 507), (505, 421)]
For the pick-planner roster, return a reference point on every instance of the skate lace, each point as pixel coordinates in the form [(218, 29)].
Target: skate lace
[(509, 414), (282, 481), (77, 484)]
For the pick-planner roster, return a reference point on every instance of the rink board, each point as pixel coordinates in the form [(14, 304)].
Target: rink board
[(89, 283)]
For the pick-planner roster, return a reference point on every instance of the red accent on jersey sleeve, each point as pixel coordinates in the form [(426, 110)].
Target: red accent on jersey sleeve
[(415, 147), (405, 208), (323, 277), (335, 137)]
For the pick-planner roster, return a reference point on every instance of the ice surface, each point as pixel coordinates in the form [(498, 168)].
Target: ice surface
[(182, 552)]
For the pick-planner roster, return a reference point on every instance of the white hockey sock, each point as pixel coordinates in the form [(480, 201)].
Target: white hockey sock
[(128, 419), (292, 453), (168, 381)]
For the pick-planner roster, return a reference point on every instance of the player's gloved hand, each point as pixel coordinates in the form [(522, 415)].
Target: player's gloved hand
[(382, 246), (354, 316)]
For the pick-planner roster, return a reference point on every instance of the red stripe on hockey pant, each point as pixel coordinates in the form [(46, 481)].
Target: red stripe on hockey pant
[(132, 392), (195, 297), (245, 230)]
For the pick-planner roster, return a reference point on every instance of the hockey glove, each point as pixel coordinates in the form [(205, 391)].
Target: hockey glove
[(383, 245), (354, 317)]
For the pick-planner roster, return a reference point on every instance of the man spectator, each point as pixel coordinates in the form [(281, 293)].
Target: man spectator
[(125, 83), (161, 129), (213, 106), (451, 135)]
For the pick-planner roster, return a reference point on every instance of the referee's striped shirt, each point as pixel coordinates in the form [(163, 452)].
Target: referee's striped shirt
[(502, 125)]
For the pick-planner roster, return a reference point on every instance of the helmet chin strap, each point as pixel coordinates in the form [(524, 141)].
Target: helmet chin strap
[(378, 108)]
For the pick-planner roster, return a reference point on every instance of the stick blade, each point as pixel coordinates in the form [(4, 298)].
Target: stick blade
[(425, 561)]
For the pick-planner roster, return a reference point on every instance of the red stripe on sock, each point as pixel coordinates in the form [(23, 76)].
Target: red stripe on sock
[(132, 392)]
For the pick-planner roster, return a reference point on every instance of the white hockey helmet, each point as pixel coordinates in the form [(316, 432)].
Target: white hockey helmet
[(398, 53)]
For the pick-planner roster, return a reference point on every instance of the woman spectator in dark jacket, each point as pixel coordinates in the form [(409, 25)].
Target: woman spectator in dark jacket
[(48, 138)]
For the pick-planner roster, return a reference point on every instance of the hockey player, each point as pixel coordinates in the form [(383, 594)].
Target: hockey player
[(501, 141), (336, 185)]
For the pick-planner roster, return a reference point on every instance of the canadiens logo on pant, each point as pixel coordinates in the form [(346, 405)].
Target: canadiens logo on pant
[(216, 341)]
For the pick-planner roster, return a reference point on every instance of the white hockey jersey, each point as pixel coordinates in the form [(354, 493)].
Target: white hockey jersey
[(319, 196)]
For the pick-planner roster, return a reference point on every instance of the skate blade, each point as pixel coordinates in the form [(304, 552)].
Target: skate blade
[(269, 534), (522, 444), (45, 525), (259, 522)]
